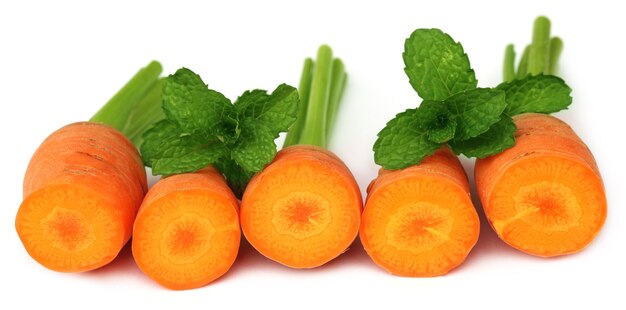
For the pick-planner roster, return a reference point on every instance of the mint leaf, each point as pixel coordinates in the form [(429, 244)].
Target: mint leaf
[(168, 152), (498, 138), (188, 102), (475, 111), (536, 93), (436, 65), (434, 117), (276, 111), (444, 133), (403, 142), (250, 101), (202, 127), (236, 177), (256, 147), (262, 118)]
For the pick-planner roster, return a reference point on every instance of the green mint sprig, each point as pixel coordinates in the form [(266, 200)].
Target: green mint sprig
[(472, 121), (202, 127)]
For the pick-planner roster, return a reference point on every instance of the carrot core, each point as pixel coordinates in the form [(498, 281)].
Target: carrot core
[(549, 205), (419, 227), (187, 238), (67, 229), (301, 215)]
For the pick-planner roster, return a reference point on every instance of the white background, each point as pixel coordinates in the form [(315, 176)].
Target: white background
[(59, 62)]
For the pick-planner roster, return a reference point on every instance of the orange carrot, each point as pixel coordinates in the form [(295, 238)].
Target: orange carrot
[(545, 195), (302, 210), (82, 189), (420, 221), (187, 232), (85, 182)]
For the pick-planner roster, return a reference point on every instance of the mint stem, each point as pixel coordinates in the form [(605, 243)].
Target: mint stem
[(145, 113), (118, 109), (539, 58), (339, 79), (304, 90), (556, 46), (314, 131), (509, 63)]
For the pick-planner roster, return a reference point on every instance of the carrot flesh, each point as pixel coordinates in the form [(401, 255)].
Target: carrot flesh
[(545, 195), (187, 232), (420, 221), (303, 209), (82, 189)]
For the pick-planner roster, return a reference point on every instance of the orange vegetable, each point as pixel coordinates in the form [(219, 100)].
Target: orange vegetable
[(545, 195), (420, 221), (187, 230), (82, 189), (303, 209)]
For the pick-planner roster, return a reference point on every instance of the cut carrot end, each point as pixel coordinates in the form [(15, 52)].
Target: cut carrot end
[(187, 238), (547, 205), (70, 228), (419, 225), (303, 210)]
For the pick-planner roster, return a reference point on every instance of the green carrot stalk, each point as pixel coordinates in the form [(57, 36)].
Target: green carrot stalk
[(509, 63), (522, 68), (338, 84), (314, 131), (145, 113), (321, 88), (556, 46), (539, 58), (304, 89), (118, 109)]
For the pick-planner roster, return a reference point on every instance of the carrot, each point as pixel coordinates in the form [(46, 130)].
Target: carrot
[(81, 191), (420, 221), (545, 195), (187, 232), (304, 208), (83, 186)]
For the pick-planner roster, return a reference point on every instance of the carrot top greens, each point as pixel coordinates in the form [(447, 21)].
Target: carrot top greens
[(203, 127), (473, 121)]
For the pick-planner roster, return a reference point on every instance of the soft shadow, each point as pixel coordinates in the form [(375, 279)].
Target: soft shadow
[(355, 255), (122, 264), (249, 260)]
